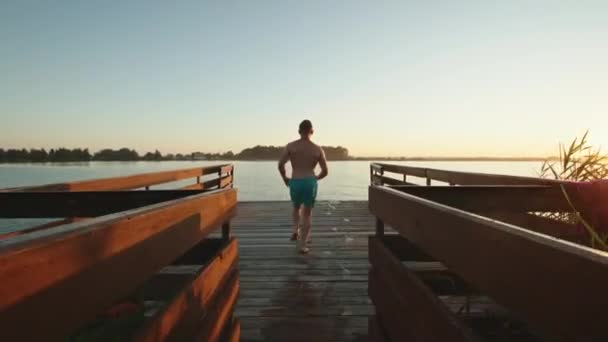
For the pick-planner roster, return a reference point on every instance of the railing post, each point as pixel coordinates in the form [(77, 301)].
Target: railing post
[(226, 231), (371, 174), (428, 179), (232, 176), (379, 228), (219, 175)]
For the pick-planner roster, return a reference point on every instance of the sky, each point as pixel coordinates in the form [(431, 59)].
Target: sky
[(383, 78)]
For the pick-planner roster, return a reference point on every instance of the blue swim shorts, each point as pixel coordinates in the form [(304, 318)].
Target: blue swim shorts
[(303, 191)]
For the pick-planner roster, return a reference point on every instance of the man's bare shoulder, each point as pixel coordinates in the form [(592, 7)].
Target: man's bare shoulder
[(291, 145), (318, 147), (304, 145)]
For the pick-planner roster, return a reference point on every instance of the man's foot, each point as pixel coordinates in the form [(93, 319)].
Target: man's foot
[(294, 237), (304, 250)]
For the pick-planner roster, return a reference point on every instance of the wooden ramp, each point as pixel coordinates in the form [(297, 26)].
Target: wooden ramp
[(288, 297)]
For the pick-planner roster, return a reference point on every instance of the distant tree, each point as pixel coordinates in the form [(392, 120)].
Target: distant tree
[(260, 153), (336, 153), (38, 156), (65, 155), (148, 156), (61, 154), (86, 155), (51, 156), (274, 153), (124, 154), (17, 156), (41, 155)]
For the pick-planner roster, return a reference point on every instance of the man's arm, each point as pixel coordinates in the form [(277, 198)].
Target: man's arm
[(323, 165), (284, 159)]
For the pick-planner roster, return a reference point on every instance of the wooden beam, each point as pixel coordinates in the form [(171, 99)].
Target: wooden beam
[(404, 250), (431, 272), (180, 319), (510, 198), (226, 231), (217, 319), (407, 309), (376, 179), (402, 169), (474, 178), (81, 204), (75, 271), (128, 182), (379, 228), (374, 167), (221, 183), (226, 169), (375, 331), (464, 178), (225, 181), (543, 225), (555, 286), (210, 184), (233, 331)]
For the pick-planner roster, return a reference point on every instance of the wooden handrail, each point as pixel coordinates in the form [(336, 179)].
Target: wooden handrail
[(74, 271), (143, 180), (555, 286), (378, 170), (221, 176)]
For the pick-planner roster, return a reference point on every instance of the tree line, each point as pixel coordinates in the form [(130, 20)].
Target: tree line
[(125, 154)]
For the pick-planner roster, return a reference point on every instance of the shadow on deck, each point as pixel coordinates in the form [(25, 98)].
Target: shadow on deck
[(319, 297)]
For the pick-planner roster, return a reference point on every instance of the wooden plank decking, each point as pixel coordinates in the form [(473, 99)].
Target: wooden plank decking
[(288, 297)]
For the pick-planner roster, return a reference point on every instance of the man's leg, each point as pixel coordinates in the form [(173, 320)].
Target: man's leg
[(305, 234), (296, 223)]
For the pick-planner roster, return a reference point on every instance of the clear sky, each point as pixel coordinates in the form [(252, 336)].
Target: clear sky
[(379, 77)]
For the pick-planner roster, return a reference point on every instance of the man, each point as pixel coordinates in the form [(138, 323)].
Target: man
[(304, 156)]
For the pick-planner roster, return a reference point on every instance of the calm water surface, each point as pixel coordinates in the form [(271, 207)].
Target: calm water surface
[(256, 181)]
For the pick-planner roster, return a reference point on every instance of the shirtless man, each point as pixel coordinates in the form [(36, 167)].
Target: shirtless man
[(304, 156)]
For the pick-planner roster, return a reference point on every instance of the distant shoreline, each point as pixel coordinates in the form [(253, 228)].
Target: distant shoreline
[(367, 159), (256, 153)]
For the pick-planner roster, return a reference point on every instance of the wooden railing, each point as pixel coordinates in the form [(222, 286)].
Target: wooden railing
[(454, 272), (149, 251), (385, 174), (389, 174), (220, 176), (204, 178)]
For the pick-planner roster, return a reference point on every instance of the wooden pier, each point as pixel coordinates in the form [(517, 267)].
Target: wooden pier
[(289, 297), (469, 257)]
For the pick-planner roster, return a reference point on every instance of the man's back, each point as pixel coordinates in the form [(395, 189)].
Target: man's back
[(304, 156)]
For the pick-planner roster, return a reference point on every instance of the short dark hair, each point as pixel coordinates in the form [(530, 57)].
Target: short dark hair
[(305, 127)]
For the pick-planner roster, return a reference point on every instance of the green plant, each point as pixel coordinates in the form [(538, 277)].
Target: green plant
[(578, 162), (599, 241)]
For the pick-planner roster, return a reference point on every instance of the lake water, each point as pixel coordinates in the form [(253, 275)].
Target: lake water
[(256, 181)]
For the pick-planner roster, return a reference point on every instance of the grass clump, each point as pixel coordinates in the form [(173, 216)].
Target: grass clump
[(578, 162)]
